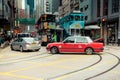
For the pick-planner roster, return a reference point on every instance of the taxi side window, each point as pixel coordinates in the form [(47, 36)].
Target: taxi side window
[(70, 40), (81, 40)]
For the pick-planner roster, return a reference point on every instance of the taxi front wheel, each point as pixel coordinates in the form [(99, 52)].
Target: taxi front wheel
[(54, 50)]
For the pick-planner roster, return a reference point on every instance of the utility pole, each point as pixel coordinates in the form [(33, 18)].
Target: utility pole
[(2, 8), (119, 27), (101, 16)]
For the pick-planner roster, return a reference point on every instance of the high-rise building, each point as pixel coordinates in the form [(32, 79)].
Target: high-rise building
[(28, 11), (69, 6), (5, 15), (86, 8), (38, 8), (31, 4), (21, 6), (45, 7), (55, 5)]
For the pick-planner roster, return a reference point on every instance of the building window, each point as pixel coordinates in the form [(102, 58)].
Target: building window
[(82, 18), (105, 7), (81, 0), (86, 18), (115, 6), (77, 18), (86, 7), (81, 9)]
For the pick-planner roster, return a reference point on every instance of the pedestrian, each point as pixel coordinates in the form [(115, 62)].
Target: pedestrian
[(54, 37)]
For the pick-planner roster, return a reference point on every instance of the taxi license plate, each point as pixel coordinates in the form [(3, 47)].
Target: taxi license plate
[(33, 44)]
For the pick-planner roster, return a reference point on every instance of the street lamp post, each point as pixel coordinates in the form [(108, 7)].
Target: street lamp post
[(119, 27)]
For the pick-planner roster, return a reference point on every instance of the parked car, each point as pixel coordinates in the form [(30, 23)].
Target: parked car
[(25, 43), (75, 44)]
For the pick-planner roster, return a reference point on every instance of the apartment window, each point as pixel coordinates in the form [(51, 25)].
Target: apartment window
[(115, 6), (86, 18), (81, 9), (77, 18), (81, 0), (82, 18), (86, 7)]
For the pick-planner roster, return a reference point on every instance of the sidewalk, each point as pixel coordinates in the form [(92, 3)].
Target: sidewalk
[(111, 47), (5, 44)]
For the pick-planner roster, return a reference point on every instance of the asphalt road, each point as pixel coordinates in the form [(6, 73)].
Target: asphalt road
[(42, 65)]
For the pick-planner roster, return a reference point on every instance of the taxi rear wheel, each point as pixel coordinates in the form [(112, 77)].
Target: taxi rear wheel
[(89, 51), (54, 50)]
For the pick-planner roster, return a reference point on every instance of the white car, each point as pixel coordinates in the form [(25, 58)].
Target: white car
[(26, 43), (19, 35)]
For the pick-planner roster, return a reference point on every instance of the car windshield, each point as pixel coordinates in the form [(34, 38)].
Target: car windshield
[(69, 40), (30, 39), (23, 35)]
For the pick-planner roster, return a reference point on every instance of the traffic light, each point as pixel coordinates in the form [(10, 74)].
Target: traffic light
[(103, 19)]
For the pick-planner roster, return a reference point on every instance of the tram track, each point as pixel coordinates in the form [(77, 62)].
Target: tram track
[(108, 69), (32, 57), (97, 62), (43, 55)]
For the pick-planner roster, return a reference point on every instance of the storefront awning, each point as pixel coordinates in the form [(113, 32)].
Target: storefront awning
[(91, 27)]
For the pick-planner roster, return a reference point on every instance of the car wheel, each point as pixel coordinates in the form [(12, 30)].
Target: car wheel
[(21, 49), (54, 50), (89, 51), (37, 49), (11, 47)]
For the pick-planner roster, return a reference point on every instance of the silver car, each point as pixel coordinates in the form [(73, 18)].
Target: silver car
[(25, 43)]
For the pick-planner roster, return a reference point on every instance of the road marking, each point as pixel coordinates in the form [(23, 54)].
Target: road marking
[(19, 60), (43, 64), (39, 64), (19, 76), (1, 56)]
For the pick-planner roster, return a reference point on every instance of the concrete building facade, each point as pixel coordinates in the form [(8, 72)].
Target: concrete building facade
[(105, 14), (5, 16), (68, 6)]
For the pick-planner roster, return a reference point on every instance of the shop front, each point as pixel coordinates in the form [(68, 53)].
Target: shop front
[(112, 32), (94, 31)]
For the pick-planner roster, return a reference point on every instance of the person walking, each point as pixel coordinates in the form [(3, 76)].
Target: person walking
[(54, 37)]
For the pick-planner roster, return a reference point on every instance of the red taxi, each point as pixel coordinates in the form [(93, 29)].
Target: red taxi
[(75, 44)]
